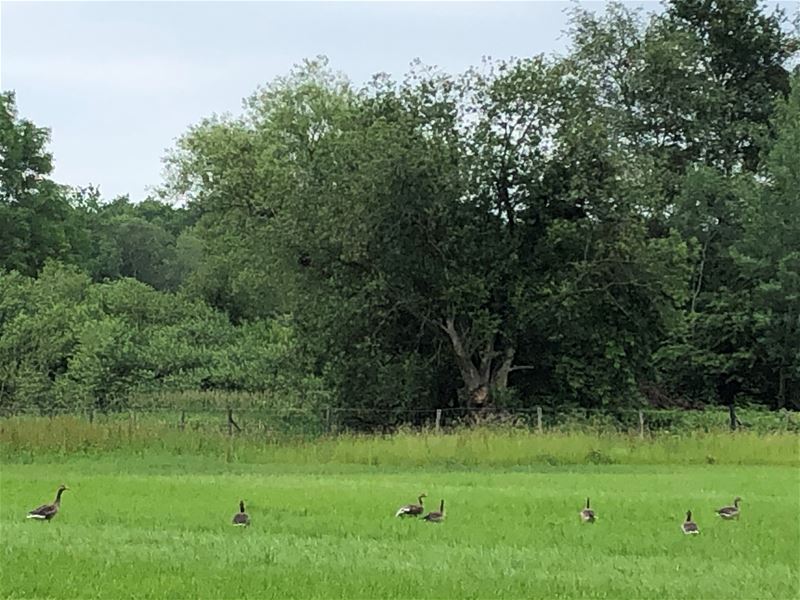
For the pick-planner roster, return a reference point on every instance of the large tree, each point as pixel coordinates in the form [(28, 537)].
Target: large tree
[(442, 225), (742, 329)]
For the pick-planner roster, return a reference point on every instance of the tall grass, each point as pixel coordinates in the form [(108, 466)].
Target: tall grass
[(24, 439)]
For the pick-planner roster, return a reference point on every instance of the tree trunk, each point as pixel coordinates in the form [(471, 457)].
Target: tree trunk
[(781, 388), (727, 391), (481, 378), (501, 374), (470, 374)]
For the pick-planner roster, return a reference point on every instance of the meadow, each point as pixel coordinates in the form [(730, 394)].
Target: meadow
[(153, 521)]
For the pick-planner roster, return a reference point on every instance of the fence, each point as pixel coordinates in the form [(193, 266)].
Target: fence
[(330, 420)]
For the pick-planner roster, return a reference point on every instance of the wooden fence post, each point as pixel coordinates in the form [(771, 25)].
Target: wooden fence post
[(539, 419), (641, 424), (732, 413), (328, 419), (182, 424), (438, 420)]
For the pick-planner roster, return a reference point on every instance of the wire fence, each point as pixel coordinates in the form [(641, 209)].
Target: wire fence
[(332, 420)]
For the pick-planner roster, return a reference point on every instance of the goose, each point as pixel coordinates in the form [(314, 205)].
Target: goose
[(689, 527), (587, 514), (436, 517), (413, 510), (730, 512), (48, 511), (241, 518)]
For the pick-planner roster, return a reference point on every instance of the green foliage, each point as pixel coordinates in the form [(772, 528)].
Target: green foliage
[(150, 241), (603, 229), (68, 343), (36, 222), (742, 327), (419, 242), (40, 220)]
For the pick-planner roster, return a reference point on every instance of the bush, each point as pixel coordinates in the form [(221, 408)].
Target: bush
[(69, 344)]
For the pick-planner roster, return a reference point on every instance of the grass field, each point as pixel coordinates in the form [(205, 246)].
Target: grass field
[(157, 525)]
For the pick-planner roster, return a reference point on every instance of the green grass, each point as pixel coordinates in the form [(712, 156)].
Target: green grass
[(156, 525)]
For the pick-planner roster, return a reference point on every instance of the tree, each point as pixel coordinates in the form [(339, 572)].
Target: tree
[(767, 256), (145, 250), (743, 51), (424, 228), (691, 94), (694, 85), (740, 334), (35, 218)]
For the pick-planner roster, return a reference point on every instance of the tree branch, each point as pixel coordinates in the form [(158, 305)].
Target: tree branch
[(464, 361)]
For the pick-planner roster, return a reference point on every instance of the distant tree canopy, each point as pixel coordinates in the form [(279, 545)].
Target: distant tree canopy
[(615, 226), (40, 220), (35, 218)]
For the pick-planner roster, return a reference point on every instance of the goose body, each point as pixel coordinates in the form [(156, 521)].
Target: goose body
[(730, 512), (689, 527), (411, 510), (241, 518), (48, 511), (436, 516), (587, 514)]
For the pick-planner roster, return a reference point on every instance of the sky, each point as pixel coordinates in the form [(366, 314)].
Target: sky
[(118, 82)]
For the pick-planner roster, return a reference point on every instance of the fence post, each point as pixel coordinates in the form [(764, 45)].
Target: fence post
[(91, 415), (328, 419), (732, 412), (230, 422), (641, 424), (539, 419), (438, 420), (130, 424), (182, 424)]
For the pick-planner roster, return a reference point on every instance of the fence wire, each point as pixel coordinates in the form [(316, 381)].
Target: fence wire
[(331, 420)]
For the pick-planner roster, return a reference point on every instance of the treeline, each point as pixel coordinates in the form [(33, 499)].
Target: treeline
[(613, 227), (151, 241)]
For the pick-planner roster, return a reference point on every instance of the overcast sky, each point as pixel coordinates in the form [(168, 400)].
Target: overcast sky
[(118, 82)]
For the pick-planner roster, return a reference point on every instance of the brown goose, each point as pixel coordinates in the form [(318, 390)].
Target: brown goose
[(241, 518), (436, 517), (730, 512), (587, 514), (48, 511), (689, 527), (412, 510)]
